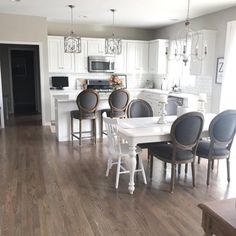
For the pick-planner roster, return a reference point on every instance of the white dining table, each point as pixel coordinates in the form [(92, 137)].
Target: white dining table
[(147, 130)]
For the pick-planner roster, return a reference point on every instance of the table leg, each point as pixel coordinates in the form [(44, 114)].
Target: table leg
[(132, 154)]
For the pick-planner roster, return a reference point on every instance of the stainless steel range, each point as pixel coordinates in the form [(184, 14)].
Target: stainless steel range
[(101, 86)]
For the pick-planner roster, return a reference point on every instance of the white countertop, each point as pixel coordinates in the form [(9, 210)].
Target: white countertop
[(103, 96)]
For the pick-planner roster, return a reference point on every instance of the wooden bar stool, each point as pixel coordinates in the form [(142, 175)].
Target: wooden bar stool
[(87, 102)]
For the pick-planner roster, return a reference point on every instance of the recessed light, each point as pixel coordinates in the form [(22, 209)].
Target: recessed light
[(15, 0)]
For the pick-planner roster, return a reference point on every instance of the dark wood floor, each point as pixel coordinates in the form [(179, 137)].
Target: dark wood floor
[(50, 188)]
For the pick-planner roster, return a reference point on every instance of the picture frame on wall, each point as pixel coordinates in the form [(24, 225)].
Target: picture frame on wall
[(219, 70)]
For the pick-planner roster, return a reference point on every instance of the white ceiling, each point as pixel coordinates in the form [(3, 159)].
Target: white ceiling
[(130, 13)]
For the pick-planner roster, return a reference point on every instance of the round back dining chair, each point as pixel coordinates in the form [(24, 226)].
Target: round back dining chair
[(185, 134), (221, 131), (139, 108)]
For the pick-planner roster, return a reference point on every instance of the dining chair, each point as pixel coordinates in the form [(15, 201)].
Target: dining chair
[(118, 101), (221, 133), (118, 150), (87, 102), (185, 134)]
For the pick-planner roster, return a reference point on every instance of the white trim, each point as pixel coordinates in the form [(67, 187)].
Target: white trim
[(1, 102), (41, 73)]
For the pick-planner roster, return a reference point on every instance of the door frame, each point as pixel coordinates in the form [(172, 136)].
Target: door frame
[(41, 72)]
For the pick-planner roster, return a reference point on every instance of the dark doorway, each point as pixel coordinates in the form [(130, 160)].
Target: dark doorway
[(23, 82)]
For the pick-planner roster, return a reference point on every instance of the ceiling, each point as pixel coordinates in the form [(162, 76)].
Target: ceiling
[(130, 13)]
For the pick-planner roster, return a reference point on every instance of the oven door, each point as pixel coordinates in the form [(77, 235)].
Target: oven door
[(101, 64)]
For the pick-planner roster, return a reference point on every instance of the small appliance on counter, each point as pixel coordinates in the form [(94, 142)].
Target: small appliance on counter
[(59, 82)]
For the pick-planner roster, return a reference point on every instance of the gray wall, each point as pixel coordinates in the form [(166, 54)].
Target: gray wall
[(18, 29), (216, 21), (100, 31)]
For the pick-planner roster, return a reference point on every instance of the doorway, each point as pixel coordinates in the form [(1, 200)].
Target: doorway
[(23, 82)]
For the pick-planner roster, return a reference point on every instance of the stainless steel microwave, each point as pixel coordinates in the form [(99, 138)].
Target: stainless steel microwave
[(103, 64)]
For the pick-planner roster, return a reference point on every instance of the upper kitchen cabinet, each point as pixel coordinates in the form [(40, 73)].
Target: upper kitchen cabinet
[(120, 60), (157, 57), (96, 47), (81, 59), (205, 66), (137, 57), (58, 60)]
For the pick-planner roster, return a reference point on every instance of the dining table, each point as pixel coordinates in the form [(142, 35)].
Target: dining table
[(147, 130)]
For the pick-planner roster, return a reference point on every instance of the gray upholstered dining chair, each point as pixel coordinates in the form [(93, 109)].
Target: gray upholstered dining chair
[(185, 134), (118, 102), (221, 131), (87, 102)]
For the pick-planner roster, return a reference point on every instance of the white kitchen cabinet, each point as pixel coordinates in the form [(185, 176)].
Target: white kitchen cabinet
[(120, 60), (58, 60), (137, 57), (205, 66), (96, 47), (157, 56), (81, 59)]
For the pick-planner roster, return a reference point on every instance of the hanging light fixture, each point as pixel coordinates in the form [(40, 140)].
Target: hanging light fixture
[(72, 43), (113, 45), (186, 44)]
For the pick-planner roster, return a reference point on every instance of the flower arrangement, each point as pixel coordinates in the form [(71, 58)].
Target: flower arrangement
[(116, 82)]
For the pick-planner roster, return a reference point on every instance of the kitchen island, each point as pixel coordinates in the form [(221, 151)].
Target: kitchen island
[(66, 103)]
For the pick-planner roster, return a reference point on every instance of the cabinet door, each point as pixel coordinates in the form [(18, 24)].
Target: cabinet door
[(142, 57), (54, 57), (96, 47), (120, 60), (58, 60), (137, 57), (157, 57), (81, 59)]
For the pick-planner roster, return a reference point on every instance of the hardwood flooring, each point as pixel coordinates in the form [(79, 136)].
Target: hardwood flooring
[(51, 188)]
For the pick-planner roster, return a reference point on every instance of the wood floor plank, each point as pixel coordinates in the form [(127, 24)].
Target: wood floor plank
[(50, 188)]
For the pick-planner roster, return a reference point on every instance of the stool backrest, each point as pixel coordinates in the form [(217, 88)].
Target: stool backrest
[(118, 101), (139, 108), (87, 101)]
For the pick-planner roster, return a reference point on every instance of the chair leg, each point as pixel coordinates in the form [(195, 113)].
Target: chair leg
[(71, 128), (173, 166), (137, 161), (149, 154), (109, 164), (95, 131), (208, 171), (118, 172), (80, 131), (193, 173), (198, 161), (151, 166), (101, 124), (165, 165), (179, 169), (212, 165), (143, 171), (228, 169), (186, 168)]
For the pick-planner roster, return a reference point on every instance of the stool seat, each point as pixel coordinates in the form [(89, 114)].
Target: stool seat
[(76, 114)]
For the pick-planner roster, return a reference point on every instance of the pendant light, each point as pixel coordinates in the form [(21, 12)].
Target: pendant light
[(72, 43), (187, 44), (113, 45)]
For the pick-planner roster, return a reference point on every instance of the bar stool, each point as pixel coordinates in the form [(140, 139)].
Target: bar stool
[(118, 102), (87, 102)]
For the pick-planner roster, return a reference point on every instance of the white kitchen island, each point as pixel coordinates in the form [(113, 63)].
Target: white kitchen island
[(66, 103)]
